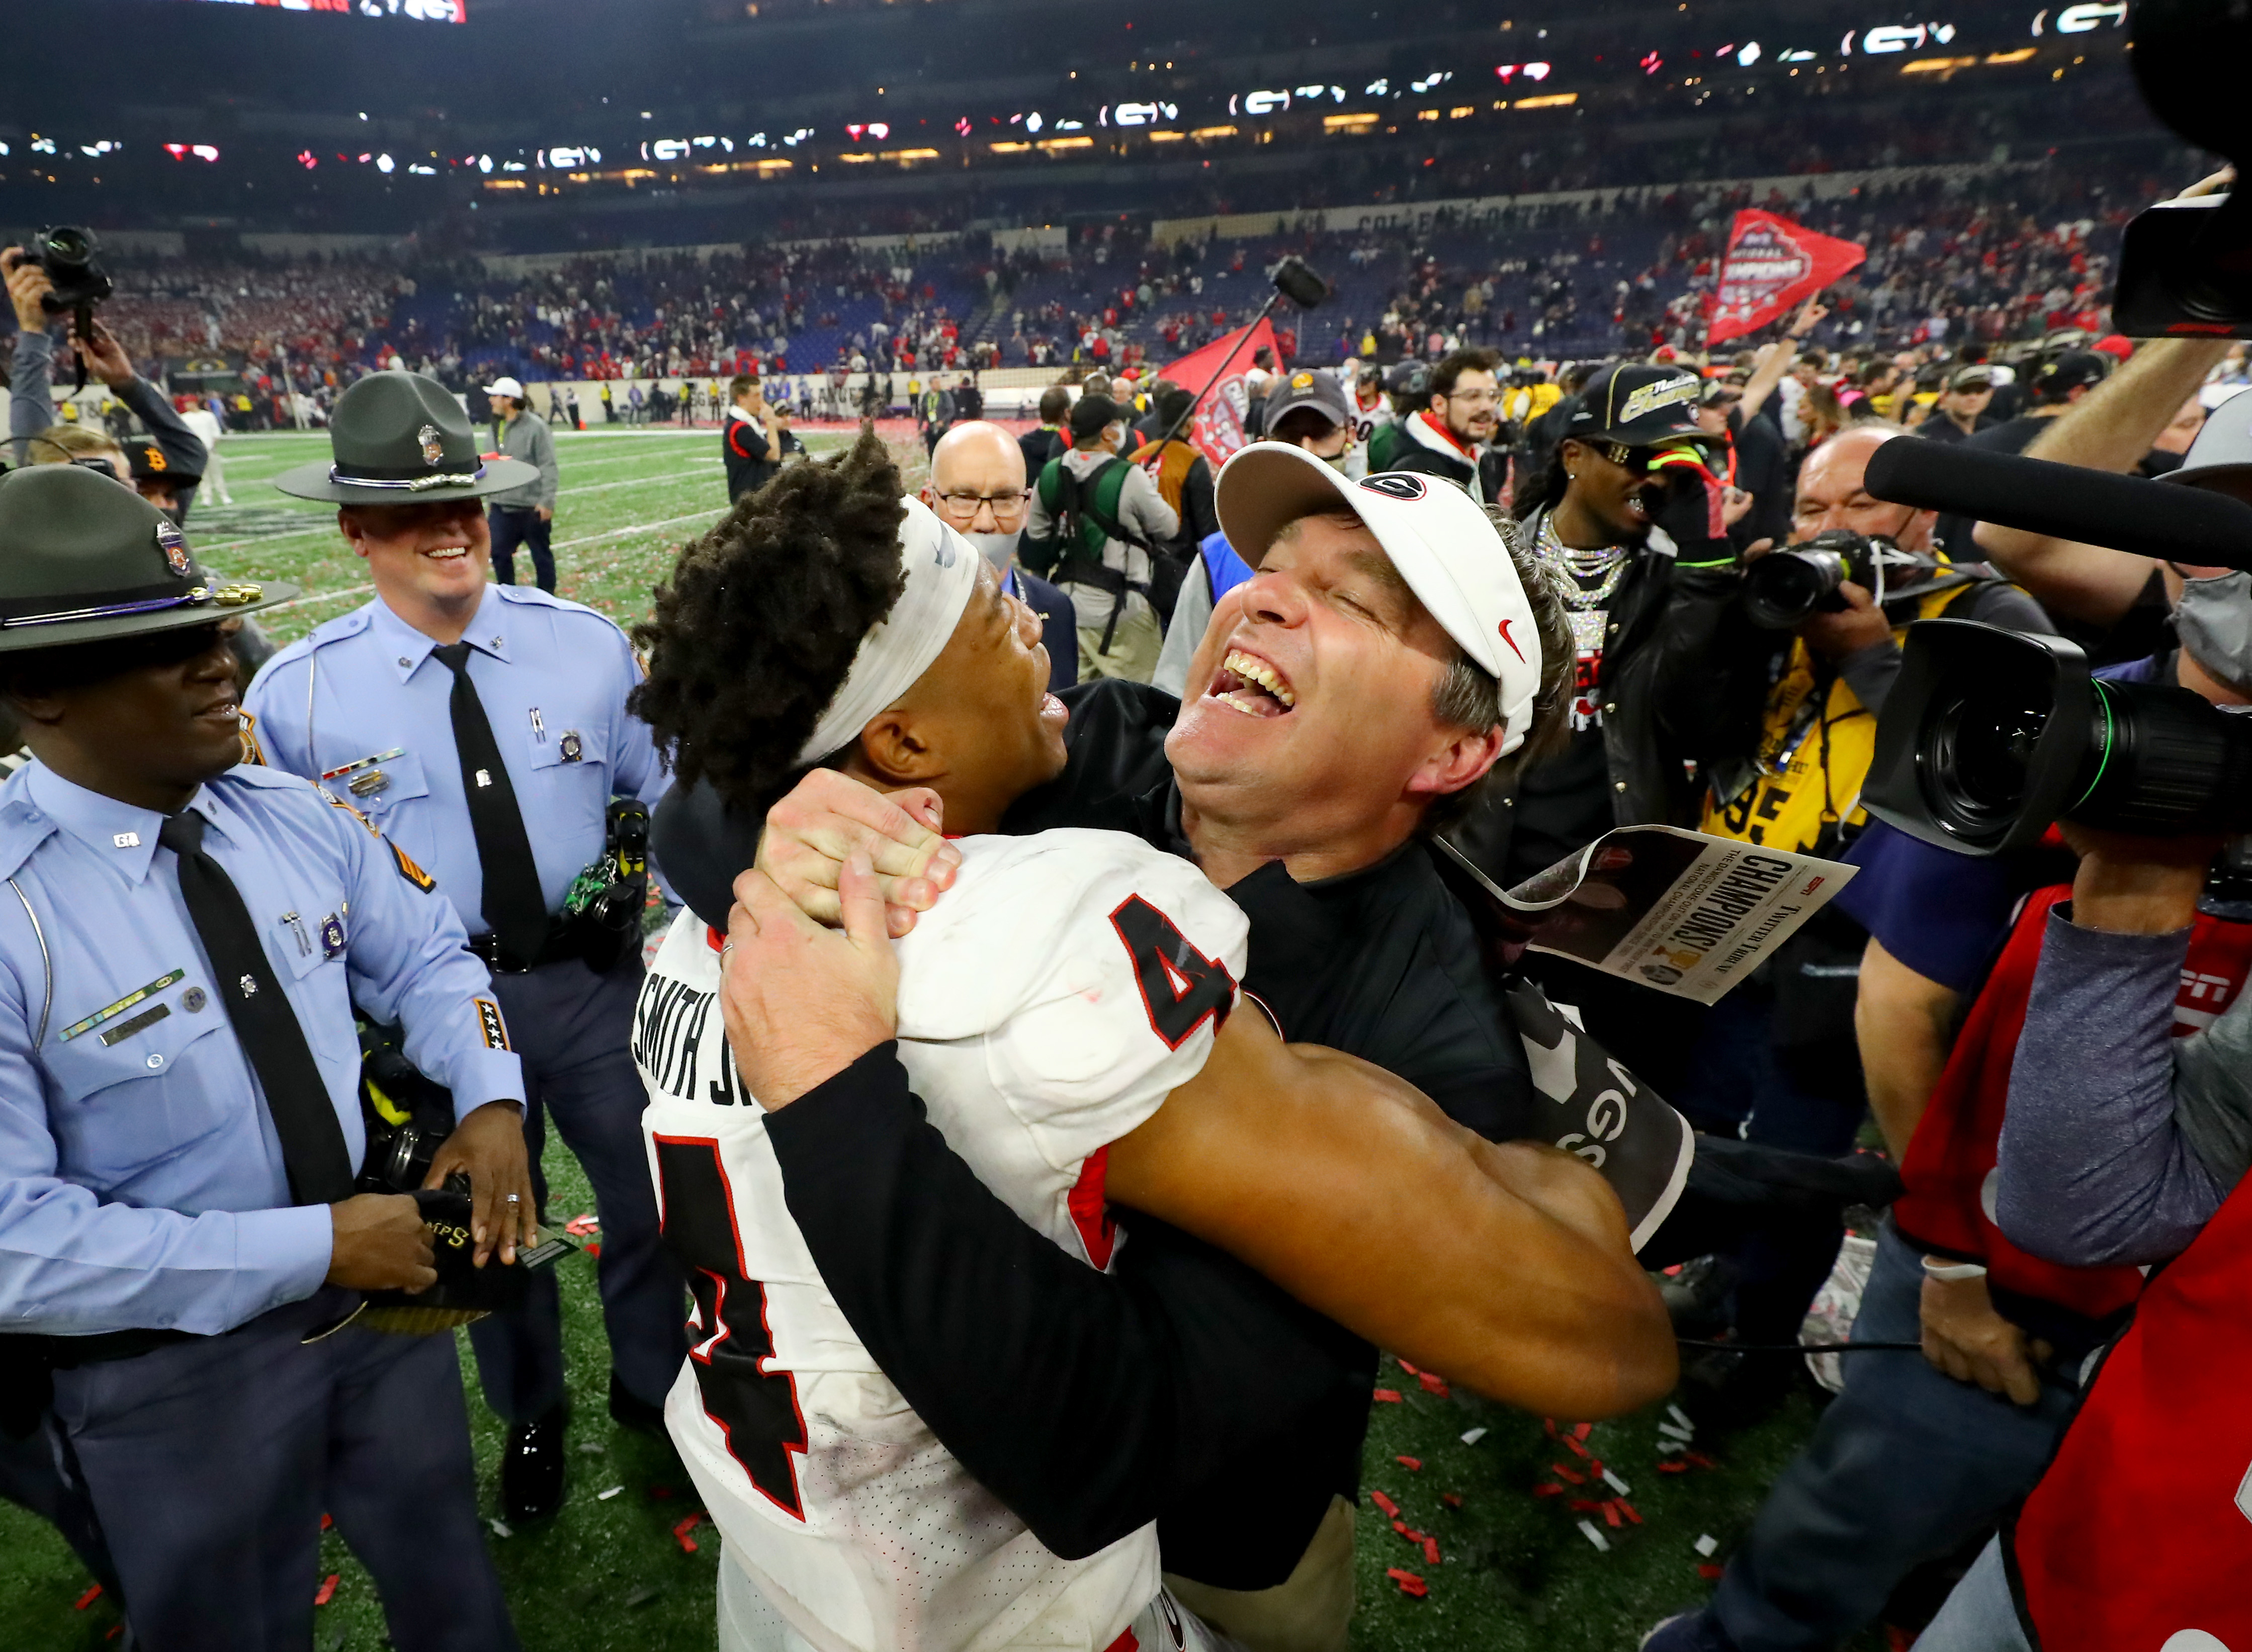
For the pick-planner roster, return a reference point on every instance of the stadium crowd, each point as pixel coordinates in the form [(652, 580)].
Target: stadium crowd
[(1190, 812)]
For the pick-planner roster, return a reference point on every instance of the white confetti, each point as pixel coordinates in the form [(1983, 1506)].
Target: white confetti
[(1681, 1417), (1471, 1436), (1707, 1545), (501, 1528), (1588, 1531), (604, 1497), (1671, 1432), (1665, 1446), (1615, 1483)]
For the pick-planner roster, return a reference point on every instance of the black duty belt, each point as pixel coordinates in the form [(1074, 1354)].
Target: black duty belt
[(564, 943)]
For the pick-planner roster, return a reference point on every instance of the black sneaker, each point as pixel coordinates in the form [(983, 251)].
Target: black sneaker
[(629, 1410), (531, 1467)]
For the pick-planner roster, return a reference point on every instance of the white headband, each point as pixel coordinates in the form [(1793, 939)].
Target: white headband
[(941, 570)]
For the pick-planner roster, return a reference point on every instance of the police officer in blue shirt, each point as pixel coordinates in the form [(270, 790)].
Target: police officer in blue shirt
[(183, 940), (483, 728)]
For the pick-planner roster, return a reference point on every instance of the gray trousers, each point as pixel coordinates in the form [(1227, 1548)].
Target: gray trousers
[(211, 1463), (1980, 1616), (575, 1031)]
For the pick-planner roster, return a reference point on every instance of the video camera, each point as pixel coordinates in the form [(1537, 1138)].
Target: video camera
[(2185, 266), (1989, 735), (1790, 585)]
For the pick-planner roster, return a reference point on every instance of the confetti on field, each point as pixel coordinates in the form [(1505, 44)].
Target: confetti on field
[(87, 1599), (1709, 1545), (1432, 1384), (1385, 1505), (326, 1522), (1588, 1531), (1431, 1550), (1614, 1482), (1627, 1509), (604, 1497), (590, 1449), (1413, 1465), (1547, 1489), (680, 1533), (643, 1596), (1671, 1432), (1411, 1369), (595, 1248), (1710, 1572), (1571, 1476), (1387, 1397), (579, 1226), (501, 1528), (1409, 1583), (1452, 1499), (328, 1591), (1611, 1515), (1681, 1417), (1471, 1436)]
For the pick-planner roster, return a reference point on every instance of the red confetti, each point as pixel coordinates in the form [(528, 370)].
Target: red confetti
[(1452, 1499), (1399, 1526), (1432, 1384), (1405, 1366), (1627, 1509), (579, 1226), (1672, 1467), (1387, 1396), (1431, 1550), (326, 1523), (114, 1631), (1413, 1465), (328, 1591), (89, 1598), (1578, 1449), (1583, 1505), (1580, 1431), (1611, 1517), (1548, 1426), (1699, 1458), (1385, 1504), (1409, 1583), (1547, 1489), (680, 1533), (595, 1249), (1569, 1475), (1710, 1572)]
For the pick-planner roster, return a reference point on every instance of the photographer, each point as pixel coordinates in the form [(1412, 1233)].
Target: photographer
[(30, 402), (2122, 1145)]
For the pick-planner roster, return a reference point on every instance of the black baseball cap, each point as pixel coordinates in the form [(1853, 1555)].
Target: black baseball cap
[(1410, 378), (1305, 388), (2061, 373), (1637, 405), (1091, 413), (149, 464)]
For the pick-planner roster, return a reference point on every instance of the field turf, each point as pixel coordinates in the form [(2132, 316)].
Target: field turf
[(609, 1574)]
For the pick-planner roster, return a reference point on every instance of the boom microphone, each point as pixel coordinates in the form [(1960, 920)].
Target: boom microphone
[(2175, 524)]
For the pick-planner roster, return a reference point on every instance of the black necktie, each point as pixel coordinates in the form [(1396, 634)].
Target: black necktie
[(512, 902), (297, 1097)]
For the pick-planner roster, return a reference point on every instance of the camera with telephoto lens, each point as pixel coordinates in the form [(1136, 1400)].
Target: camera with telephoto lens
[(2185, 266), (1988, 736), (66, 253), (1787, 586)]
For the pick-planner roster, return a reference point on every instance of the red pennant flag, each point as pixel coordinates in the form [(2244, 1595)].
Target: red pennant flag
[(1216, 427), (1772, 263)]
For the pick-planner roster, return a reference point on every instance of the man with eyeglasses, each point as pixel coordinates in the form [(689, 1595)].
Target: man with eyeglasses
[(977, 488), (1448, 436)]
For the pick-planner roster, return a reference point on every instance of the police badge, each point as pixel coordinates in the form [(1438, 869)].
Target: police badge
[(175, 547), (434, 448)]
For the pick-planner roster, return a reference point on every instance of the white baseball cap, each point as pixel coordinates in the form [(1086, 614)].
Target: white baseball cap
[(1439, 538), (505, 387)]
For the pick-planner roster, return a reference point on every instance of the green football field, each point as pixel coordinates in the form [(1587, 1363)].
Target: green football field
[(617, 1570)]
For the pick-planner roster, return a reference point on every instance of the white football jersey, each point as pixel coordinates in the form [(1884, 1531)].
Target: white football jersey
[(1046, 1006)]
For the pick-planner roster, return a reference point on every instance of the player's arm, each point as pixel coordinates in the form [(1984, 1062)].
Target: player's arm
[(1507, 1266)]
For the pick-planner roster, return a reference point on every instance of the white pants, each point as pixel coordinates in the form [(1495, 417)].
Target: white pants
[(749, 1623)]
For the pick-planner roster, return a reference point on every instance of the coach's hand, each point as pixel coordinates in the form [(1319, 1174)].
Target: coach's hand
[(828, 815), (488, 1148), (1964, 1336), (803, 1003)]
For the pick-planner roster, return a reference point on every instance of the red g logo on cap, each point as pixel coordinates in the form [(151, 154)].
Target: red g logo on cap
[(1394, 485)]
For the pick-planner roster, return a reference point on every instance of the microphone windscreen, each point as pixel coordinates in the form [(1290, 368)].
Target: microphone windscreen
[(2126, 513)]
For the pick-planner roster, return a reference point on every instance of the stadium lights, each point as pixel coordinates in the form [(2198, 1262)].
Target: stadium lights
[(1530, 71), (2017, 56), (1051, 145), (1944, 67), (1009, 147), (200, 151), (1203, 133), (1549, 101), (426, 171), (385, 163), (1750, 55), (1349, 122), (1167, 137)]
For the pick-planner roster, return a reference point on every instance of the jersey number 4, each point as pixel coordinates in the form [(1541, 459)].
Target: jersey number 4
[(1180, 986), (730, 1343)]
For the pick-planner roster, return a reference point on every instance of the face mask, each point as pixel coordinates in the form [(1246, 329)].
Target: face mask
[(2214, 621), (1000, 549)]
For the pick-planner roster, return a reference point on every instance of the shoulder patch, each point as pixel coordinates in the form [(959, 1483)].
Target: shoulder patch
[(489, 1023), (413, 873), (253, 752)]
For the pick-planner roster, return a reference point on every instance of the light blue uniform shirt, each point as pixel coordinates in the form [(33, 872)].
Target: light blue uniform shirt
[(362, 694), (141, 1180)]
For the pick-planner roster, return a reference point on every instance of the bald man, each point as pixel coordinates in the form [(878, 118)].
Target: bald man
[(977, 487)]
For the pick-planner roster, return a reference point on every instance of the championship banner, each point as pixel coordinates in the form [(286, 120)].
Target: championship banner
[(1215, 428), (1771, 265)]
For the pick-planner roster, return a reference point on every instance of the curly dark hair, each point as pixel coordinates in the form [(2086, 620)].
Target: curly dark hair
[(754, 633)]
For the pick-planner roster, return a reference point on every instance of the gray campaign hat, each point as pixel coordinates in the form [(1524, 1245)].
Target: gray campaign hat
[(84, 558), (2223, 447), (402, 437)]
